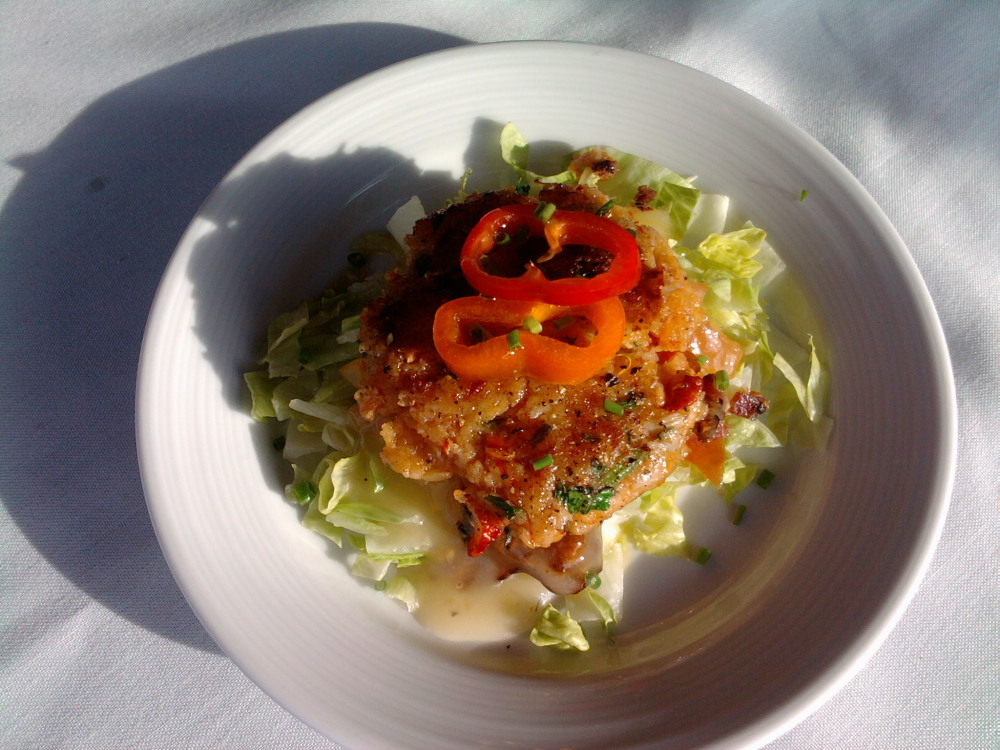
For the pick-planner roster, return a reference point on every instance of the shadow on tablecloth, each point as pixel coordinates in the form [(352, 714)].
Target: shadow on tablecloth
[(86, 234)]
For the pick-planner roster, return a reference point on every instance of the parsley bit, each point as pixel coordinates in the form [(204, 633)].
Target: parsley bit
[(503, 506), (803, 195), (514, 340), (702, 555), (738, 514), (606, 208)]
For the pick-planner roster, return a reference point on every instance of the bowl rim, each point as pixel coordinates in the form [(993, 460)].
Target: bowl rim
[(848, 663)]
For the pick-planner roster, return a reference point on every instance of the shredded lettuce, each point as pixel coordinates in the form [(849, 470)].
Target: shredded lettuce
[(514, 151), (558, 630), (654, 523), (675, 196), (336, 470)]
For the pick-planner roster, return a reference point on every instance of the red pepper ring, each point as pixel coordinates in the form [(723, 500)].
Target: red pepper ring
[(563, 228), (535, 355)]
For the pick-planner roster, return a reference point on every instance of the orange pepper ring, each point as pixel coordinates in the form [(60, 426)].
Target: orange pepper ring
[(538, 356)]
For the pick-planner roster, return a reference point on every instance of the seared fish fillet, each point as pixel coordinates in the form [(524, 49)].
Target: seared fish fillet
[(488, 434)]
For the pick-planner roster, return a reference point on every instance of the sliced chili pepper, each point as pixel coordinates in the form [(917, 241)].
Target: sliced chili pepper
[(709, 457), (487, 524), (541, 356), (562, 229)]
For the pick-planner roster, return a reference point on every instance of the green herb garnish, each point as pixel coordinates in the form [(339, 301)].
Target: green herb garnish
[(765, 478), (543, 462), (303, 492), (544, 211), (582, 499), (702, 555), (613, 407), (503, 506)]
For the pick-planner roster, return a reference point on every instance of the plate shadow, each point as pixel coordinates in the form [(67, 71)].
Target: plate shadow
[(86, 234)]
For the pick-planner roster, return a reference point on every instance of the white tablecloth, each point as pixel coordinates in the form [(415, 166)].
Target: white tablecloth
[(118, 119)]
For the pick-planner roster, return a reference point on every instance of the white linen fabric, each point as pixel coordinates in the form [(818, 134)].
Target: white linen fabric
[(119, 118)]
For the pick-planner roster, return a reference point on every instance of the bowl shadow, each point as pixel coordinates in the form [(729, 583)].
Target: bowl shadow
[(87, 232)]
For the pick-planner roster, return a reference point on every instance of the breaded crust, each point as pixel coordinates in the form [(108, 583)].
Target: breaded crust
[(488, 434)]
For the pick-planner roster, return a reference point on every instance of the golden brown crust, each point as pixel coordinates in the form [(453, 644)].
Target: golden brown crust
[(488, 434)]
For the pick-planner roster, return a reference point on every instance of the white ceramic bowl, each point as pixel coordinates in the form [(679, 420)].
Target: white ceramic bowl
[(724, 657)]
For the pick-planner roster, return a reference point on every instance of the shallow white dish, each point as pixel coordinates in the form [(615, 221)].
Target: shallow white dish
[(728, 659)]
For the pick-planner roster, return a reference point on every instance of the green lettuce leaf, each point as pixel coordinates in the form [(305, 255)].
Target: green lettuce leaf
[(558, 630), (514, 150), (261, 386), (654, 523), (675, 196)]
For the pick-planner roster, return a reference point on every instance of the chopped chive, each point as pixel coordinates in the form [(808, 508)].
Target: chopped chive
[(380, 585), (564, 322), (765, 478), (722, 380), (543, 462), (303, 492), (702, 555), (593, 580), (522, 187), (544, 211), (613, 407), (514, 340), (357, 260), (738, 514), (603, 210), (702, 360), (501, 239), (803, 195), (531, 325)]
